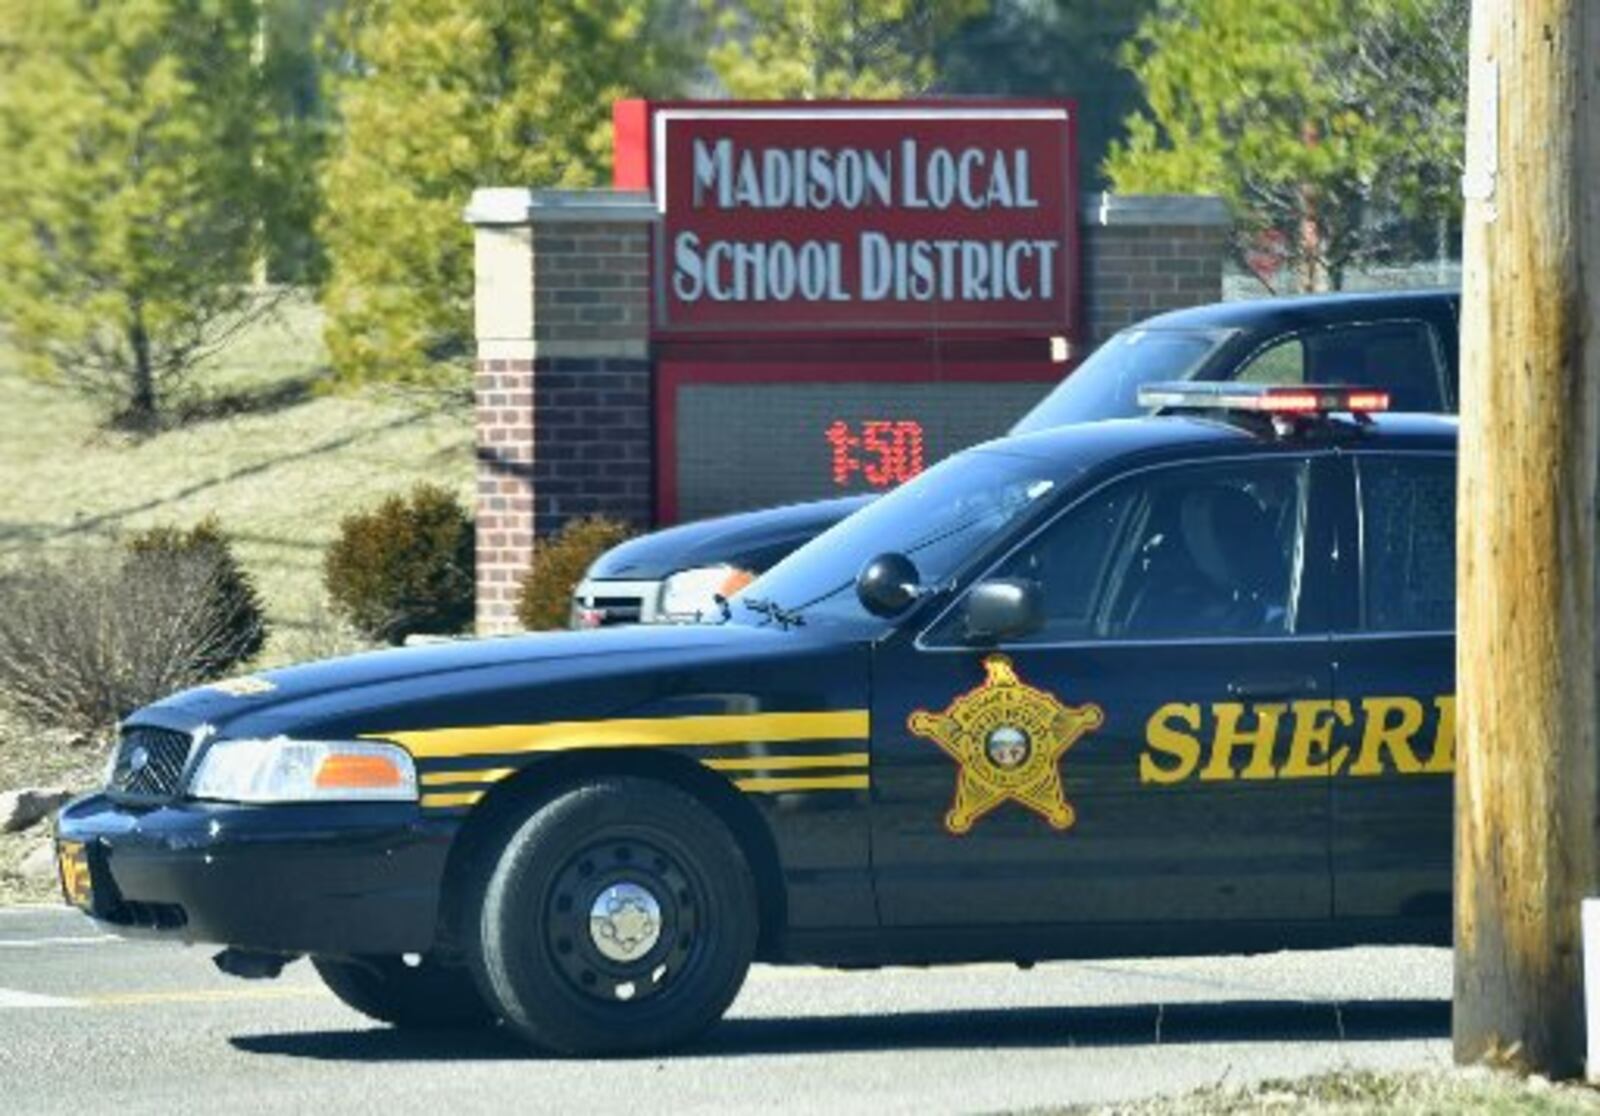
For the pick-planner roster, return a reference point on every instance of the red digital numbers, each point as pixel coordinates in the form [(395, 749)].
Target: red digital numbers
[(883, 452)]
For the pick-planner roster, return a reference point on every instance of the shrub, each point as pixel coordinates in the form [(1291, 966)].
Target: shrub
[(83, 644), (544, 600), (404, 567), (233, 607)]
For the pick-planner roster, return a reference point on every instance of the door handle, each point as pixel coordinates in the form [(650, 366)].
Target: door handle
[(1262, 687)]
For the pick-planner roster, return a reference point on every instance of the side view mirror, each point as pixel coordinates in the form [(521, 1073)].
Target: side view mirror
[(1007, 608), (888, 585)]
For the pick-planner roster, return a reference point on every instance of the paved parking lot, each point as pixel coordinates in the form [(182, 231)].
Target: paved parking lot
[(88, 1022)]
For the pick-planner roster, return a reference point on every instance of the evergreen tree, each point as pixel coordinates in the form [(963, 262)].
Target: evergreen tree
[(301, 118), (1054, 48), (834, 48), (1322, 122), (130, 205), (437, 97)]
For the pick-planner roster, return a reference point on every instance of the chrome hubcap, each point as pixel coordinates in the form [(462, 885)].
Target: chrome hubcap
[(625, 921)]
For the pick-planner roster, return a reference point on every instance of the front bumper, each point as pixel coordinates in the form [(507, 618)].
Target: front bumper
[(339, 878)]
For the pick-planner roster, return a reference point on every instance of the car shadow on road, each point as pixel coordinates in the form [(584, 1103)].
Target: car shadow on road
[(1121, 1025), (1036, 1027)]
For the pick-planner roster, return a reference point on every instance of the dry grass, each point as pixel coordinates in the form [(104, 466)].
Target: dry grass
[(13, 887), (39, 759), (1473, 1092), (275, 458)]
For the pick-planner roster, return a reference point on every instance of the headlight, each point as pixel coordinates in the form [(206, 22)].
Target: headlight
[(691, 594), (285, 770)]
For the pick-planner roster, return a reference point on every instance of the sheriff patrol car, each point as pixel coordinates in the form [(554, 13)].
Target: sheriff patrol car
[(1168, 685)]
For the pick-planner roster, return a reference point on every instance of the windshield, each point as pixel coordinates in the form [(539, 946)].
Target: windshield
[(1106, 386), (937, 520)]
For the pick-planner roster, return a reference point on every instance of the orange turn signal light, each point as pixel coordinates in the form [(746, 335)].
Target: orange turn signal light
[(357, 772), (736, 580)]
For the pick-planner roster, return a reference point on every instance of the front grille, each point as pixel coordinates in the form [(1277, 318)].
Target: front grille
[(618, 610), (150, 763), (604, 602)]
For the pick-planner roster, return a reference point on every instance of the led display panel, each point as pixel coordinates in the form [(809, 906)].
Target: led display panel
[(744, 445)]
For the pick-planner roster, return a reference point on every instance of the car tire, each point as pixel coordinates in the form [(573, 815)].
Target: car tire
[(620, 918), (429, 995)]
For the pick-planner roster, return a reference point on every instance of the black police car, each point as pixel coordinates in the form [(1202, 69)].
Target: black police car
[(1170, 685), (1403, 342)]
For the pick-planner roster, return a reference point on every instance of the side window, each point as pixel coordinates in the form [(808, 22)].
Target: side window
[(1281, 363), (1408, 538), (1402, 357), (1193, 551), (1074, 562)]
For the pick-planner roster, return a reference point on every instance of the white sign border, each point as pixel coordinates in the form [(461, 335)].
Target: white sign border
[(664, 117)]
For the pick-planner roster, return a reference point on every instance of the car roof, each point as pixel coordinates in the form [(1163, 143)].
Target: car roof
[(1114, 442), (1299, 311)]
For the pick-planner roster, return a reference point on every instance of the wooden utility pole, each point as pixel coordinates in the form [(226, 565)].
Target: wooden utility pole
[(1526, 784)]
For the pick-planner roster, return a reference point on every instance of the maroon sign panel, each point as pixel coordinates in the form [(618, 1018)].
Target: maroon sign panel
[(871, 218)]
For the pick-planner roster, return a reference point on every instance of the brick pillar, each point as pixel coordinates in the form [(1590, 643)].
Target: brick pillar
[(562, 381), (1143, 254)]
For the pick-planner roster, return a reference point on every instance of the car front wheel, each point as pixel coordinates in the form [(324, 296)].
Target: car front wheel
[(620, 918)]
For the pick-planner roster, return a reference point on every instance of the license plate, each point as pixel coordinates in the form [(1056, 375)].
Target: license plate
[(77, 886)]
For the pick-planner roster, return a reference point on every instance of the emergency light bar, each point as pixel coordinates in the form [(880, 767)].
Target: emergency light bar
[(1270, 399)]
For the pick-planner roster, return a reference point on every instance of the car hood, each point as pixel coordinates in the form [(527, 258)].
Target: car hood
[(753, 541), (555, 676)]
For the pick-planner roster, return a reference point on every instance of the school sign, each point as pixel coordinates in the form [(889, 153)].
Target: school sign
[(904, 217)]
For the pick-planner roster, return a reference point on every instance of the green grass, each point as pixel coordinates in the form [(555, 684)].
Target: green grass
[(1472, 1092), (274, 457)]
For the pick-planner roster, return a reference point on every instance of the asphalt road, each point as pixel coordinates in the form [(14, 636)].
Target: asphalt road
[(89, 1024)]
